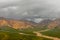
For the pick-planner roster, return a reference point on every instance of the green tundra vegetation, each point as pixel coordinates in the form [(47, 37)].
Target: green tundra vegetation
[(53, 32), (15, 36), (8, 33)]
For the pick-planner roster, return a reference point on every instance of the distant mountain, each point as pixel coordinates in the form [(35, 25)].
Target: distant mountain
[(23, 24), (17, 24), (45, 22), (50, 24), (54, 23)]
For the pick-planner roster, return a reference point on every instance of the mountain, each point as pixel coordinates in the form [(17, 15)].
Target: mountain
[(16, 24), (54, 23), (24, 24), (45, 22), (54, 27), (50, 24)]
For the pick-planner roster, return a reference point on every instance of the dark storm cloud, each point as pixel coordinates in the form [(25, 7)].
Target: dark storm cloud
[(30, 8)]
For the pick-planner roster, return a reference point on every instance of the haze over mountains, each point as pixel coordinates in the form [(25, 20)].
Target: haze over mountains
[(23, 24)]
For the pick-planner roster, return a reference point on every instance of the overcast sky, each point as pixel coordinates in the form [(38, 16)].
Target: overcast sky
[(30, 8)]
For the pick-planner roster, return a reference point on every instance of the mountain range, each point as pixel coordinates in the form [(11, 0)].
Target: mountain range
[(17, 24), (27, 30), (23, 24)]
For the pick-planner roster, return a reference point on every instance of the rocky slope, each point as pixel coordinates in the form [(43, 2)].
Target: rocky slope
[(17, 24), (54, 23), (21, 24), (45, 22)]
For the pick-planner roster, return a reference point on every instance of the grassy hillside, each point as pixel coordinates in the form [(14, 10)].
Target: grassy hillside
[(8, 33), (15, 36), (8, 29), (54, 32)]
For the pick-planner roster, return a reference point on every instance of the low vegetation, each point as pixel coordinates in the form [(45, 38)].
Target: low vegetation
[(53, 32), (8, 33)]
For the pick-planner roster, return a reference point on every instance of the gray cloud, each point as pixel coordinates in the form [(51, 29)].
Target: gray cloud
[(30, 9)]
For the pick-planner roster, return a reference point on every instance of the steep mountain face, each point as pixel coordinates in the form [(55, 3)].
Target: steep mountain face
[(50, 23), (44, 23), (23, 24), (17, 24), (54, 23), (3, 22)]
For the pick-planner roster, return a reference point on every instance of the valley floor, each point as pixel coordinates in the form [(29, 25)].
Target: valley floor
[(41, 35)]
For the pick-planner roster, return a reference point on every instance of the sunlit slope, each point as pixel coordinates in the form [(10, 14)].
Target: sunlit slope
[(16, 24)]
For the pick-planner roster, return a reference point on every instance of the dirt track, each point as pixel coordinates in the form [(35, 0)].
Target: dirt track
[(49, 37), (41, 35)]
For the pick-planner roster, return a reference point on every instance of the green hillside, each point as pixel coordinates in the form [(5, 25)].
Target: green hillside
[(8, 29), (8, 33), (53, 32), (15, 36)]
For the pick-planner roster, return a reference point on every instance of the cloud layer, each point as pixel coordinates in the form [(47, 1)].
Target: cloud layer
[(30, 8)]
